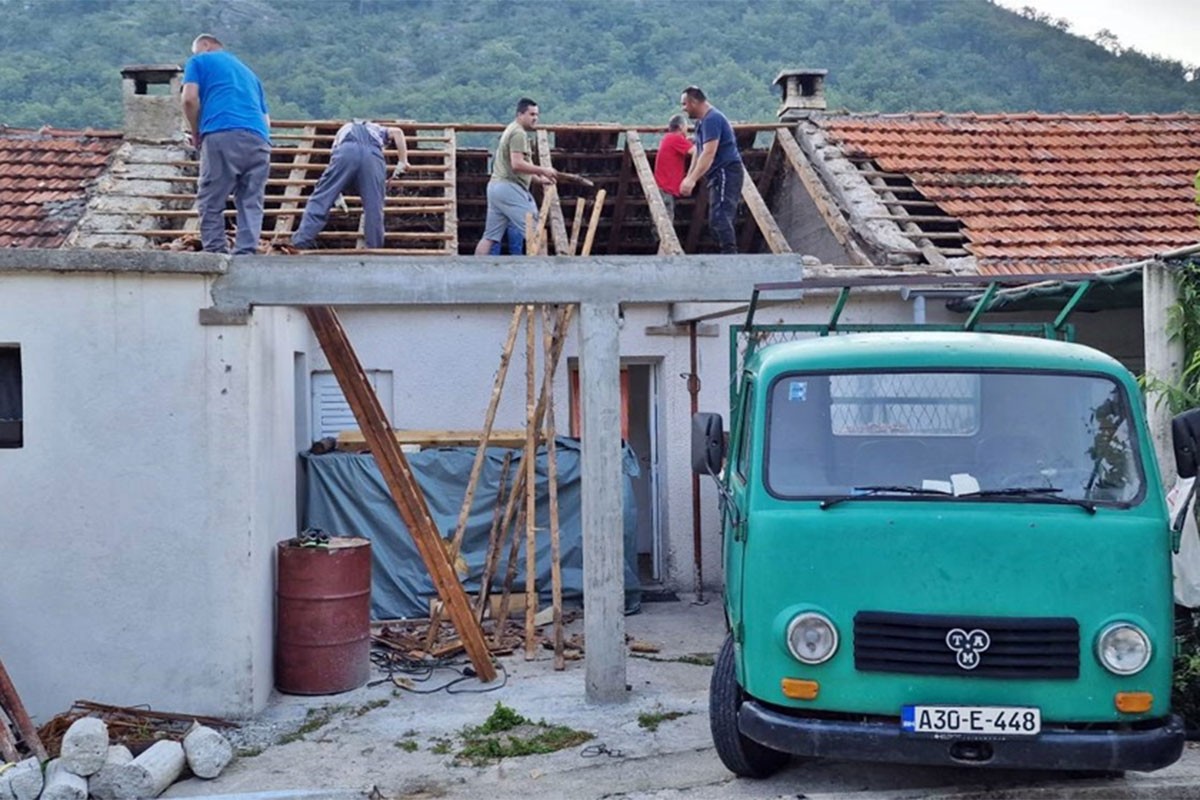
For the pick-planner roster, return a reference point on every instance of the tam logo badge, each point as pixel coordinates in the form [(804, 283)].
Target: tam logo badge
[(968, 645)]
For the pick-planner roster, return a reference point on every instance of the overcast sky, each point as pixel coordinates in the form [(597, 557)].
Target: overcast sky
[(1168, 28)]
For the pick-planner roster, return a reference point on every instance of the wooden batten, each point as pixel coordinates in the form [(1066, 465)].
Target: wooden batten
[(668, 240)]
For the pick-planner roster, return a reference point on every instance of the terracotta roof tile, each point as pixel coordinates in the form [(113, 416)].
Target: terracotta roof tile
[(1043, 192), (45, 176)]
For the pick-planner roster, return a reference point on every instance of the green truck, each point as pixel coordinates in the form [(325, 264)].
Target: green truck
[(940, 547)]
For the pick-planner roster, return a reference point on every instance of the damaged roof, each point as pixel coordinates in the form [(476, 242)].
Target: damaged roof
[(46, 177), (1026, 193)]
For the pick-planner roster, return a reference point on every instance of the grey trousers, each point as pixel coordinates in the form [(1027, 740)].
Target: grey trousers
[(232, 161), (352, 164)]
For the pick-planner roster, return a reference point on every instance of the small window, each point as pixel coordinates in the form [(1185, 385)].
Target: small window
[(744, 429), (11, 435), (331, 412)]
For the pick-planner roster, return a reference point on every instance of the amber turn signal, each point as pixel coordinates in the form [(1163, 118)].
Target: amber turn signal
[(1133, 702), (798, 689)]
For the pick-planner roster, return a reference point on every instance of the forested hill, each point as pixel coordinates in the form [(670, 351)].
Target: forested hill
[(583, 60)]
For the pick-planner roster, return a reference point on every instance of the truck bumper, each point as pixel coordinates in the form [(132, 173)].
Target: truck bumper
[(1143, 750)]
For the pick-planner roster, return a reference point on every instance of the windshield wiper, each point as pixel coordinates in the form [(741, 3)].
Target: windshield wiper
[(1046, 493), (871, 491)]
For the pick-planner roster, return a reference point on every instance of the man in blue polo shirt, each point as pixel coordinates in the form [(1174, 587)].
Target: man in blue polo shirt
[(226, 112), (718, 161)]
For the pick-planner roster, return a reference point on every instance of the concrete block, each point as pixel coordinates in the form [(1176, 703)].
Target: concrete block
[(84, 746), (151, 773), (62, 784), (25, 779), (207, 751), (101, 784)]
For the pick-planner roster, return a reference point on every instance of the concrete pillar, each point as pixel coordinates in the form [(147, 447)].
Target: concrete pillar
[(603, 531), (1164, 358), (803, 91), (150, 96)]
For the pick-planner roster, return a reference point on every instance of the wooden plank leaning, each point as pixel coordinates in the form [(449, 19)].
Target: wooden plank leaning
[(11, 704), (558, 225), (407, 495), (460, 527), (552, 488), (529, 465), (664, 226)]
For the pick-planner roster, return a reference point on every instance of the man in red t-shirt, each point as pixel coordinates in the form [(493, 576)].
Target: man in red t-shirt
[(670, 165)]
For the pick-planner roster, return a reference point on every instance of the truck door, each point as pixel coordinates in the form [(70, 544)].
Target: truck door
[(735, 520)]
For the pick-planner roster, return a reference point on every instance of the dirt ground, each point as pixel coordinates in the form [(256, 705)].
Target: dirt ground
[(382, 741)]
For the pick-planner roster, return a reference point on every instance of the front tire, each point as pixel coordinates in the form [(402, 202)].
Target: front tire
[(741, 756)]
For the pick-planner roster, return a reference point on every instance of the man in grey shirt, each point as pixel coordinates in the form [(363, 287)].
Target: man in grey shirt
[(357, 161), (508, 194)]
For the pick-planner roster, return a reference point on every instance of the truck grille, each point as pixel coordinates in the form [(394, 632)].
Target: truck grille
[(970, 647)]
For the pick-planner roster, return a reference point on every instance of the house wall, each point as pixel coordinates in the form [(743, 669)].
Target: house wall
[(141, 512)]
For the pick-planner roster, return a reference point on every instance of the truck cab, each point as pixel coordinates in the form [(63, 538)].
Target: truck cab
[(941, 548)]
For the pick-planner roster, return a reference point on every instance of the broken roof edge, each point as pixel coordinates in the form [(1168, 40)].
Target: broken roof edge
[(848, 191), (31, 259), (63, 133), (1004, 116), (1051, 294)]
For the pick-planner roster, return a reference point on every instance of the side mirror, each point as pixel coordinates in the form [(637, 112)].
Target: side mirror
[(708, 443), (1185, 434)]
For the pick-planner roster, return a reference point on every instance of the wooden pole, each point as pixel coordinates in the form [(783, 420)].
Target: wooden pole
[(8, 745), (576, 225), (460, 528), (530, 465), (593, 223), (11, 701), (405, 492), (510, 568), (560, 662)]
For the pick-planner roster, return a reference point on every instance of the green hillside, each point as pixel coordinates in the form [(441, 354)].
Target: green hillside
[(583, 60)]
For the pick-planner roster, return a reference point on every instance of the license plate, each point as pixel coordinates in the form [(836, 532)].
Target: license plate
[(972, 720)]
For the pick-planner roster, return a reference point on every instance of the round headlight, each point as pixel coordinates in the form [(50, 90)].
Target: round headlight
[(1123, 648), (812, 638)]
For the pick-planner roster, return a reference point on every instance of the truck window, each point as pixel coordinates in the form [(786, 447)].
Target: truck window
[(953, 432), (741, 462)]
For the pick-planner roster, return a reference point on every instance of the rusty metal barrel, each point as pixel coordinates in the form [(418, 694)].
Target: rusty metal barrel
[(323, 616)]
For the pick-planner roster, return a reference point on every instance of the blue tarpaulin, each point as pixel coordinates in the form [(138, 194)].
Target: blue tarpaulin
[(346, 496)]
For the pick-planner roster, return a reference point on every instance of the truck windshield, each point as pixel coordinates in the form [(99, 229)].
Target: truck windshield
[(1043, 437)]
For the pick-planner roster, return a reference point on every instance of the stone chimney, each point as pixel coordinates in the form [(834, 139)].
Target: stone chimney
[(803, 93), (150, 94)]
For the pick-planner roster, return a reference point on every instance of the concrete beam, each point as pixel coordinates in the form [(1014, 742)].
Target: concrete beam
[(32, 259), (471, 280), (603, 540)]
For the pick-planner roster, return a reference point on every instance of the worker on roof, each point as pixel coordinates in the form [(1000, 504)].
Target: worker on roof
[(671, 163), (508, 194), (718, 162), (227, 118), (358, 162)]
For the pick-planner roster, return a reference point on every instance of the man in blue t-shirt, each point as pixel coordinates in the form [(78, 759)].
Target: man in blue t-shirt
[(227, 117), (718, 161)]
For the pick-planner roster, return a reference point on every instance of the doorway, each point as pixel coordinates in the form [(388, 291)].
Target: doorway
[(640, 414)]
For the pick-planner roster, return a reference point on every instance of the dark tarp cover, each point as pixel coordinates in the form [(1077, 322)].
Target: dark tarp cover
[(346, 496)]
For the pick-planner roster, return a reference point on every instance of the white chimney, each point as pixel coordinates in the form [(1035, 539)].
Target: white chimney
[(150, 94), (803, 93)]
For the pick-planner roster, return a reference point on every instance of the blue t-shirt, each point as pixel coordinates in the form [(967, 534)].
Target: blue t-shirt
[(231, 96), (714, 125)]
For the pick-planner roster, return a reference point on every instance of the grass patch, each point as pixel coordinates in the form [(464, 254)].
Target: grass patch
[(407, 745), (441, 746), (651, 720), (249, 752), (507, 734), (315, 719), (697, 659), (365, 707)]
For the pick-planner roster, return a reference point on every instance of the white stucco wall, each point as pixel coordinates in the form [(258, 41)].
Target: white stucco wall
[(141, 511)]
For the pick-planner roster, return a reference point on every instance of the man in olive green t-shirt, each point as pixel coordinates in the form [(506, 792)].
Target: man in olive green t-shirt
[(508, 194)]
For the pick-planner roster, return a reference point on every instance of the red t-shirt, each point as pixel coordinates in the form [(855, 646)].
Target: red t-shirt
[(670, 165)]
